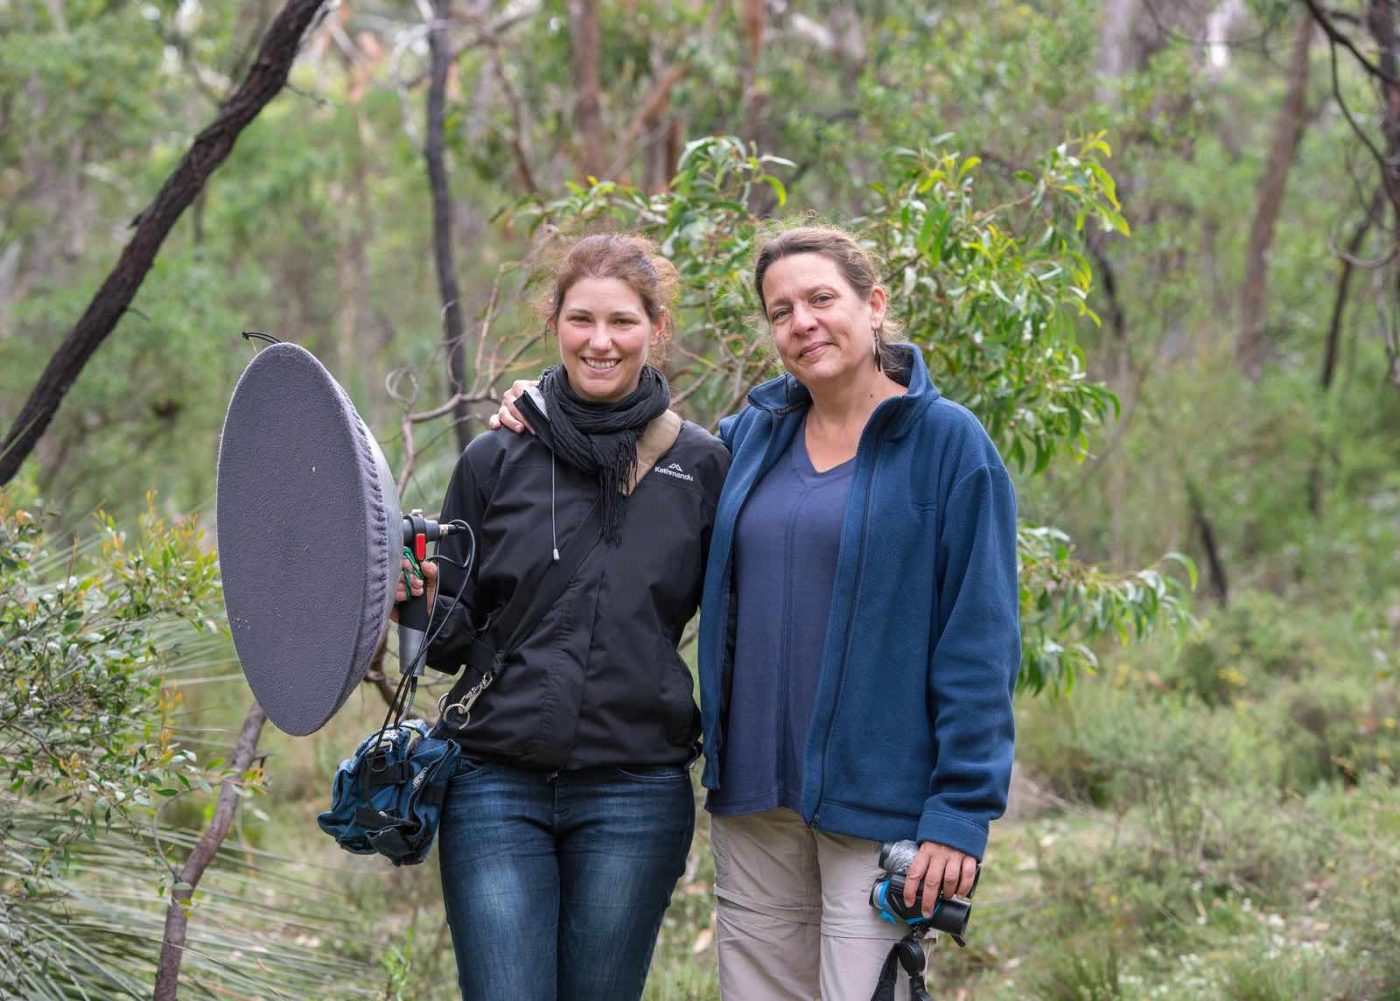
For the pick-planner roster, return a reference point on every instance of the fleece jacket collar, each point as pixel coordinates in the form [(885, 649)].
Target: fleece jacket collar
[(785, 394)]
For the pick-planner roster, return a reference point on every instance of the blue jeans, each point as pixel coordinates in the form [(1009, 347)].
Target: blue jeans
[(556, 885)]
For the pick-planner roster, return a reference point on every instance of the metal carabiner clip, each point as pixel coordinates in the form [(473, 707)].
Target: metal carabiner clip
[(465, 705)]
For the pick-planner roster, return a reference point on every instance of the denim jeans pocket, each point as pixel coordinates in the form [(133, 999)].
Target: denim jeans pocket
[(467, 767), (654, 773)]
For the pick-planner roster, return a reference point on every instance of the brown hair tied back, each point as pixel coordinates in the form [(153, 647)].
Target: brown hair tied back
[(630, 259), (856, 263)]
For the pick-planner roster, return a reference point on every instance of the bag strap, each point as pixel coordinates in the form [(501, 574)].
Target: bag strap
[(654, 442), (524, 610)]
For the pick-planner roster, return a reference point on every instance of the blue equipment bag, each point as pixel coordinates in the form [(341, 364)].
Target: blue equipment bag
[(387, 798)]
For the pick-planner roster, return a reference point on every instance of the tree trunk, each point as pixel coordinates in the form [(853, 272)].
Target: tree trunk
[(172, 947), (1380, 19), (753, 19), (452, 327), (1251, 345), (1114, 43), (210, 148), (1218, 25), (1215, 564), (585, 39)]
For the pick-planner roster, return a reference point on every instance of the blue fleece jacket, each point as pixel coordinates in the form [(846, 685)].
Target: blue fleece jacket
[(912, 732)]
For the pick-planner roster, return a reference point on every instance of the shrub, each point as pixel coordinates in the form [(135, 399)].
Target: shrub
[(90, 747)]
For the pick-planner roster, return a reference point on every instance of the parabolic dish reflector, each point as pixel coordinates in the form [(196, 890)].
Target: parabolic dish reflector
[(309, 537)]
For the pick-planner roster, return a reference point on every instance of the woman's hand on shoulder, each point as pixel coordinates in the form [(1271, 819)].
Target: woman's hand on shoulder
[(508, 416), (944, 872)]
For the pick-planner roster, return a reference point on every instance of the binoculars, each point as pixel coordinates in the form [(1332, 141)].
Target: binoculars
[(950, 914)]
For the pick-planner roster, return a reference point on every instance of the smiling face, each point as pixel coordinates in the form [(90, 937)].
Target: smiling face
[(604, 334), (824, 329)]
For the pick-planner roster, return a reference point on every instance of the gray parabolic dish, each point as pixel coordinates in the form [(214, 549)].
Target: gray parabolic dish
[(309, 536)]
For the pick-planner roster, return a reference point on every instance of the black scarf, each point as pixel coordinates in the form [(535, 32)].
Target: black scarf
[(601, 438)]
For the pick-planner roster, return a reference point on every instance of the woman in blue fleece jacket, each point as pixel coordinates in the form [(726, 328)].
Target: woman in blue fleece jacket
[(859, 636)]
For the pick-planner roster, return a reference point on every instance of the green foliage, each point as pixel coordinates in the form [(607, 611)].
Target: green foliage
[(90, 745), (984, 297), (398, 968), (1087, 970), (992, 297), (84, 719), (1188, 785), (990, 294), (1228, 815), (1067, 604), (1319, 685)]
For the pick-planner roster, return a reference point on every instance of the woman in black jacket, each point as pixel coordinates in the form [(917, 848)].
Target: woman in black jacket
[(569, 821)]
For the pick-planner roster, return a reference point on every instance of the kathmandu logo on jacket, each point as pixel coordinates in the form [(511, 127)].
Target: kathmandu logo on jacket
[(674, 469)]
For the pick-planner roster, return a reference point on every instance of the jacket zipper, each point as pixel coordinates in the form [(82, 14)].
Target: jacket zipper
[(850, 625)]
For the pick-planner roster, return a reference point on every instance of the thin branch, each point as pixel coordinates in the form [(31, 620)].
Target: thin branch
[(447, 407), (477, 395), (1334, 329), (1248, 43), (486, 34), (656, 101), (406, 428), (172, 948), (391, 386), (43, 744), (1251, 342), (1351, 119), (1339, 37), (1214, 561), (499, 370), (516, 138), (647, 113), (586, 52), (401, 85), (486, 318), (410, 454), (375, 675)]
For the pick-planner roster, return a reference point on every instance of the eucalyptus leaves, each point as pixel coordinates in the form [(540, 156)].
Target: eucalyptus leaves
[(987, 275)]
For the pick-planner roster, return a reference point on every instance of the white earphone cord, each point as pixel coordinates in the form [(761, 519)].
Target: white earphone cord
[(553, 527)]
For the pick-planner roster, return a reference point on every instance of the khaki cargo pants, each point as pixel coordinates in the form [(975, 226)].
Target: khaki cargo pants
[(793, 919)]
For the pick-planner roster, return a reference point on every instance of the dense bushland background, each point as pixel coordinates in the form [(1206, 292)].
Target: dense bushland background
[(1152, 244)]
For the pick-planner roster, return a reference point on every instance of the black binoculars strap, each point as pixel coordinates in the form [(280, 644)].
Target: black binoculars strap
[(908, 953)]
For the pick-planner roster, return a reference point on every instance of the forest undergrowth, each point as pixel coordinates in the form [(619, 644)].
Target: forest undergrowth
[(1214, 820)]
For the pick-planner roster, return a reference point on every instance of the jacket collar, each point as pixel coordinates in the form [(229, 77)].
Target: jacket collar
[(785, 394)]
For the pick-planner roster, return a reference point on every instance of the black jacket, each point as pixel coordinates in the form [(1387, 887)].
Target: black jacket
[(598, 681)]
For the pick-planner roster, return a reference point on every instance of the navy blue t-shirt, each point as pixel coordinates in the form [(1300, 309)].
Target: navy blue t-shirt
[(786, 545)]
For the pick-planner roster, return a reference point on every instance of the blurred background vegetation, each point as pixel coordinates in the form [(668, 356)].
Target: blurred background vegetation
[(1152, 243)]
